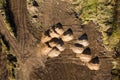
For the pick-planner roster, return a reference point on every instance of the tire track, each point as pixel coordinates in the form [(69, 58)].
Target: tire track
[(12, 41), (24, 37)]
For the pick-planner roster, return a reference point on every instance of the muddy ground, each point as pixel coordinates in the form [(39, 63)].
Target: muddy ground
[(66, 66)]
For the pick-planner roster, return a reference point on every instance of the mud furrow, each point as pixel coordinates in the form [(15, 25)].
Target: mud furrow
[(12, 41), (24, 37)]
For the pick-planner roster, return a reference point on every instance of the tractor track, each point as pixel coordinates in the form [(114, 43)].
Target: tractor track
[(12, 41)]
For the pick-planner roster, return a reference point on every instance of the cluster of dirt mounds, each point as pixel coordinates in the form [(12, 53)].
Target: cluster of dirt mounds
[(72, 68), (66, 66)]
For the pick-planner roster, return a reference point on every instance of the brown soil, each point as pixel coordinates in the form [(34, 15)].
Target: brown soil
[(66, 66)]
